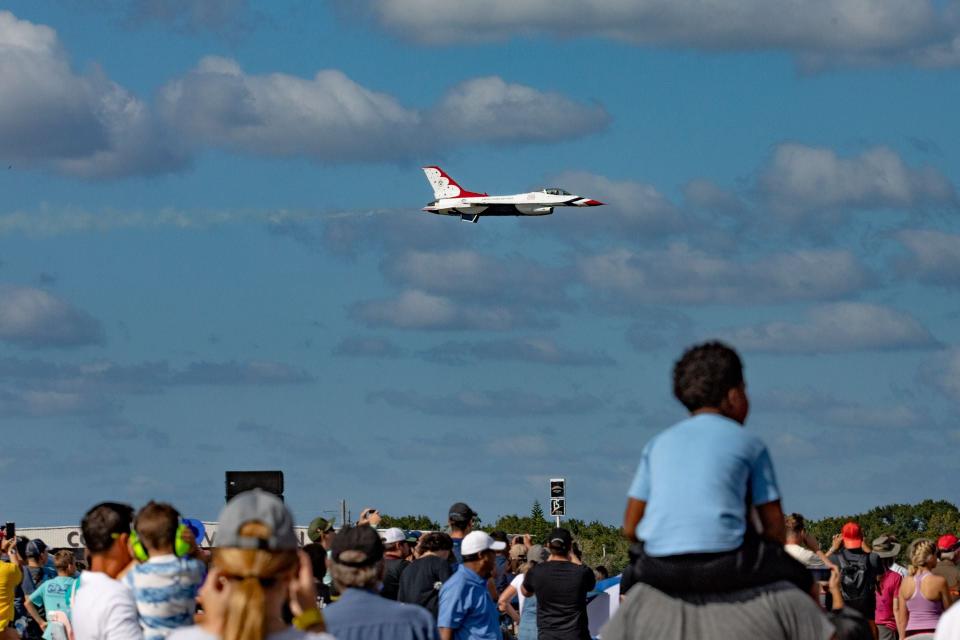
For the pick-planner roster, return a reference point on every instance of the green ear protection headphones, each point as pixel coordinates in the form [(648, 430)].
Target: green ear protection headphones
[(180, 546)]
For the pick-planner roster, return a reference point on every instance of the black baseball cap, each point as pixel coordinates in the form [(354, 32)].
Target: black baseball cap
[(561, 536), (460, 512), (357, 547)]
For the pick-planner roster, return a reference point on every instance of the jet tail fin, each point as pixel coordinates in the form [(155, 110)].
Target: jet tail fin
[(444, 186)]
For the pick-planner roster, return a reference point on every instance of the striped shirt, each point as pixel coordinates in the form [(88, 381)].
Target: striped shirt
[(165, 588)]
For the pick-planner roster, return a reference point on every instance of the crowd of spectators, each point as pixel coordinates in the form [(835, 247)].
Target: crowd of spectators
[(714, 556)]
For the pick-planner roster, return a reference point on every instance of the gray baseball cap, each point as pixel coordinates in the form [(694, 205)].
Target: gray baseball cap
[(537, 553), (256, 506)]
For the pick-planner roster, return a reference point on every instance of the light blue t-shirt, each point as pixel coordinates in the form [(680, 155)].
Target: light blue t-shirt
[(53, 594), (694, 478)]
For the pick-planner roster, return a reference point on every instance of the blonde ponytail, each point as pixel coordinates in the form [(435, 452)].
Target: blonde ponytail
[(923, 550), (245, 617)]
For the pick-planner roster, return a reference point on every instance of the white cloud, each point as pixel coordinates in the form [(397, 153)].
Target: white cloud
[(499, 403), (934, 256), (415, 309), (331, 118), (802, 180), (834, 328), (631, 207), (91, 127), (475, 277), (488, 109), (34, 318), (539, 350), (84, 125), (684, 275), (819, 32), (328, 117)]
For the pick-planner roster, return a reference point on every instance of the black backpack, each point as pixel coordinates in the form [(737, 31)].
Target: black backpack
[(854, 577)]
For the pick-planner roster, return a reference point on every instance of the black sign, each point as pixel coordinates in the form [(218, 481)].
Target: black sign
[(557, 487), (240, 481), (558, 506)]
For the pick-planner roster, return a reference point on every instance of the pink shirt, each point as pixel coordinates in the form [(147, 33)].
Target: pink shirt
[(889, 587)]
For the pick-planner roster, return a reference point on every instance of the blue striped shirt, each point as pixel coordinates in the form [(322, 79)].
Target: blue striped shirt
[(165, 588)]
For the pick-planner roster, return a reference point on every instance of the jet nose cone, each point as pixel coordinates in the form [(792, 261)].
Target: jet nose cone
[(593, 203)]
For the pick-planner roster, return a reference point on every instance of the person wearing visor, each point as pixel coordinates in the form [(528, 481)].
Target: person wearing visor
[(256, 569), (361, 613), (467, 612)]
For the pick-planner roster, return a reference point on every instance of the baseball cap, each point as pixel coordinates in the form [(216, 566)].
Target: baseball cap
[(477, 541), (413, 537), (852, 535), (35, 548), (393, 535), (359, 546), (561, 536), (886, 546), (256, 506), (947, 542), (537, 553), (460, 512), (319, 526)]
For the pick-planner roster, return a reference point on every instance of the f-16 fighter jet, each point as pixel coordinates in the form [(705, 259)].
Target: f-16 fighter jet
[(454, 200)]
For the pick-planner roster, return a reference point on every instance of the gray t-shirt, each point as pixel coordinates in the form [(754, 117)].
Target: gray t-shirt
[(772, 612)]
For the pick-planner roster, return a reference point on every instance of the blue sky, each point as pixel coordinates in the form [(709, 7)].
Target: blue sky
[(213, 254)]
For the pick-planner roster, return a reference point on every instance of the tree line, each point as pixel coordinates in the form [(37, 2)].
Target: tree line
[(604, 544)]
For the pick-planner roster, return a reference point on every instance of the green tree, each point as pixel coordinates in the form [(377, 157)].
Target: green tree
[(409, 523), (926, 519)]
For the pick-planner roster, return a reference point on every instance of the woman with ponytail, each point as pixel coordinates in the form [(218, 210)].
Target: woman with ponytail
[(256, 570), (923, 595)]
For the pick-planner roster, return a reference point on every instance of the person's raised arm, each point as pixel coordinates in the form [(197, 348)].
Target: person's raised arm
[(771, 518), (446, 634), (632, 516)]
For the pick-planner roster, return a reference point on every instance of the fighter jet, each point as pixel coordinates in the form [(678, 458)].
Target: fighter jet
[(454, 200)]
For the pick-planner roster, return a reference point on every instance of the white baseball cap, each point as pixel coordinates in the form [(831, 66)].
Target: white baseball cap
[(477, 541), (393, 535)]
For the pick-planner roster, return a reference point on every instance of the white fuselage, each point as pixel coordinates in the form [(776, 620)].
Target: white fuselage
[(453, 200), (534, 203)]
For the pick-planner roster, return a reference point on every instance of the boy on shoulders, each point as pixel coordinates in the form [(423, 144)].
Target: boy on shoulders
[(699, 482)]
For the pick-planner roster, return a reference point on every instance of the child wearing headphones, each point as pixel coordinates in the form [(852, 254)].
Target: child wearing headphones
[(166, 580)]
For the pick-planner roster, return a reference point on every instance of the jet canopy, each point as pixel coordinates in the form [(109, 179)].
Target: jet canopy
[(556, 191)]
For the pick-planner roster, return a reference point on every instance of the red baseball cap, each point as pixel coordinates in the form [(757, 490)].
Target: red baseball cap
[(852, 535), (947, 542)]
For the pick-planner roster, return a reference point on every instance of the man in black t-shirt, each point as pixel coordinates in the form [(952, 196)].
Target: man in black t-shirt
[(561, 585), (421, 581), (394, 556)]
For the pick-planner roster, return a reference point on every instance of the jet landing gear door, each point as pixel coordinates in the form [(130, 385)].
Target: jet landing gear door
[(466, 217)]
